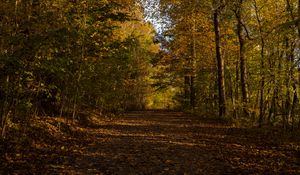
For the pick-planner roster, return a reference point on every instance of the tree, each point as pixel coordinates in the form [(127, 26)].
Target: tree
[(220, 62), (240, 30)]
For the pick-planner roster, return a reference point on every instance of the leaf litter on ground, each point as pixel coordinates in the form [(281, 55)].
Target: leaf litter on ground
[(155, 142)]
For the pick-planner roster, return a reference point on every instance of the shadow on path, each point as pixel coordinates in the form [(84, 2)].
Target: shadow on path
[(157, 142)]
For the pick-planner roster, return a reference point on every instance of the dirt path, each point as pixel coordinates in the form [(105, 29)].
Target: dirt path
[(154, 143), (167, 143)]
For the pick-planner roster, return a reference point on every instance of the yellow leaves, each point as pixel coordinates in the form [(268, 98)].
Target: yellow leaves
[(143, 31), (140, 30), (154, 48)]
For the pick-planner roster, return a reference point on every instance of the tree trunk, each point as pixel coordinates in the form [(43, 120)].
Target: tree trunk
[(220, 65), (294, 103), (262, 66), (273, 111), (243, 69), (192, 96), (236, 88), (192, 91), (231, 92), (187, 90)]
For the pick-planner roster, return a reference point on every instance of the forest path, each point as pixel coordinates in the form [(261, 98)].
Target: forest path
[(154, 142), (158, 142)]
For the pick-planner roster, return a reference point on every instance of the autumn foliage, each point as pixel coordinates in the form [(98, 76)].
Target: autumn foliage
[(72, 73)]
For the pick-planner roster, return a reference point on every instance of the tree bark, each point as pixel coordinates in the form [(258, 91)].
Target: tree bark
[(262, 66), (187, 89), (242, 59), (220, 66)]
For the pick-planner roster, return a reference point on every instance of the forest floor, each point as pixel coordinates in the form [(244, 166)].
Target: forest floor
[(151, 142)]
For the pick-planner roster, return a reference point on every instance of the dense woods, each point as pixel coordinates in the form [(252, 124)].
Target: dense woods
[(73, 68), (64, 57), (241, 58)]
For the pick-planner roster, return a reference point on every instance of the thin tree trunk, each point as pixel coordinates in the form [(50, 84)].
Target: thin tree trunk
[(187, 90), (192, 91), (220, 65), (236, 89), (231, 92), (275, 99), (294, 103), (262, 66), (192, 97), (74, 110)]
